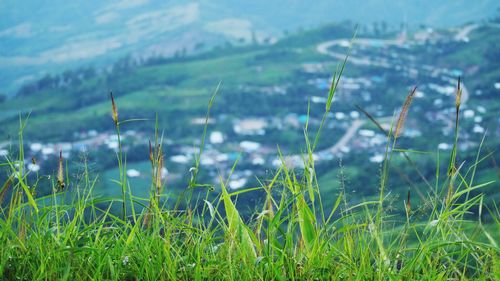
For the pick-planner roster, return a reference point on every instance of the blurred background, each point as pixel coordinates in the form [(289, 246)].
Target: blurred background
[(274, 59)]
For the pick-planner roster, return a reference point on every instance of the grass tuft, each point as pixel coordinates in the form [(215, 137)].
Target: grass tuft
[(293, 235)]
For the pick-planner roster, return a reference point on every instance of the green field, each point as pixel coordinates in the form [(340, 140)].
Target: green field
[(395, 206)]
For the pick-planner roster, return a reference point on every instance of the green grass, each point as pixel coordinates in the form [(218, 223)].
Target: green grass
[(200, 234)]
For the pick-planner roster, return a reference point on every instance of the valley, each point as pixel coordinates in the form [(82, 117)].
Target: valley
[(73, 110)]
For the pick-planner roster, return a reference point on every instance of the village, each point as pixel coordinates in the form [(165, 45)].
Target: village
[(352, 131)]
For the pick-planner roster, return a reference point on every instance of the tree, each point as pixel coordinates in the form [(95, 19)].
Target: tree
[(46, 82), (376, 29), (384, 27), (492, 54), (254, 38), (199, 46)]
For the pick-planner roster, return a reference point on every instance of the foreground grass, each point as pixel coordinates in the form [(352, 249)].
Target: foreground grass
[(72, 235)]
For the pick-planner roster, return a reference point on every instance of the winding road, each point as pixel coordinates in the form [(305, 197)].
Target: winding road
[(346, 138), (324, 48), (463, 33)]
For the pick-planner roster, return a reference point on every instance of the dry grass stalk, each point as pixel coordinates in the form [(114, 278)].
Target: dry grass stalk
[(22, 232), (449, 194), (270, 209), (189, 217), (369, 116), (404, 113), (60, 172), (5, 187), (156, 158), (159, 169), (458, 97), (148, 217), (458, 101)]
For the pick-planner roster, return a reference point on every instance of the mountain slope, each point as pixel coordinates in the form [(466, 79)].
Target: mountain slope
[(38, 37)]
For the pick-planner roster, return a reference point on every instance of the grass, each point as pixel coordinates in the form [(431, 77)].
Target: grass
[(73, 234)]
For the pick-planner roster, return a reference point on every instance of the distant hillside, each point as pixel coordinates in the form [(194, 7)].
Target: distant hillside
[(78, 98), (38, 37), (268, 93)]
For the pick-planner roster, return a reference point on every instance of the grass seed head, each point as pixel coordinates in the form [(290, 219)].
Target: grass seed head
[(5, 187), (60, 172), (408, 203), (159, 169), (458, 97), (114, 109), (22, 232), (151, 157), (404, 113)]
